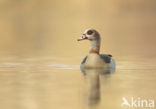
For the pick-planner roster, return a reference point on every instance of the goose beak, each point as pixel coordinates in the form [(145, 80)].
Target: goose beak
[(83, 37)]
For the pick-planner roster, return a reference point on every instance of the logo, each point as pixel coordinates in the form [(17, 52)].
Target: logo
[(137, 102)]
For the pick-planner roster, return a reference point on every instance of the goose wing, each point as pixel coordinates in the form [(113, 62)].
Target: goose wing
[(106, 57), (81, 65), (84, 60)]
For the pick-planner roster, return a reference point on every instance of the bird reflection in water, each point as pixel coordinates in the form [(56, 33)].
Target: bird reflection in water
[(92, 76)]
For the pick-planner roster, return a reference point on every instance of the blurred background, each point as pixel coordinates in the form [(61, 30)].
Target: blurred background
[(40, 55), (51, 27)]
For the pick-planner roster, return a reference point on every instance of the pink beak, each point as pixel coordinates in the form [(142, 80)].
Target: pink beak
[(83, 37)]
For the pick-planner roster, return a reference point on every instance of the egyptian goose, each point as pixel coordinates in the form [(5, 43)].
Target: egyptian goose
[(94, 59)]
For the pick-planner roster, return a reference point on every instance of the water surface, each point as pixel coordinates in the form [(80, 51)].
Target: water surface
[(36, 83)]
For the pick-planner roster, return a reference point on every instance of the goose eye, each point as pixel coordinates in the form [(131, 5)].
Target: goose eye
[(90, 32)]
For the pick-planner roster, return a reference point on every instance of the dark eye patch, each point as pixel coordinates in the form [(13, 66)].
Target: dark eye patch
[(89, 32)]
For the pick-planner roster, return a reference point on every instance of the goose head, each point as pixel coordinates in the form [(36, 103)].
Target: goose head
[(94, 37), (90, 34)]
